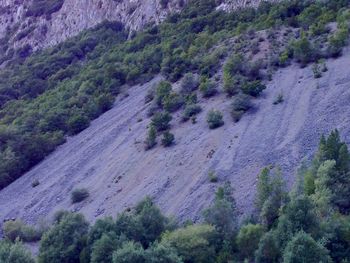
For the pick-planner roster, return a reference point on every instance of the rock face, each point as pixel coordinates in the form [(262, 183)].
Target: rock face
[(109, 159), (73, 16)]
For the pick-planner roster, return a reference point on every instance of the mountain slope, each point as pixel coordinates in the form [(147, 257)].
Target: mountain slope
[(108, 157)]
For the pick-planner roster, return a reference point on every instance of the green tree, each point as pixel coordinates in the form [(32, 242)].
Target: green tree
[(159, 253), (248, 240), (263, 189), (152, 221), (129, 252), (303, 50), (222, 214), (268, 250), (168, 139), (14, 253), (338, 241), (193, 243), (64, 241), (207, 87), (322, 195), (303, 248), (298, 215), (163, 90), (161, 121), (103, 248), (277, 197)]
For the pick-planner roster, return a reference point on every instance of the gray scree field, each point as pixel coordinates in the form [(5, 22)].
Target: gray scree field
[(109, 159)]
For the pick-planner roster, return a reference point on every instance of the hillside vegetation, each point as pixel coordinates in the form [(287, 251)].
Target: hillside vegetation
[(310, 224), (57, 92)]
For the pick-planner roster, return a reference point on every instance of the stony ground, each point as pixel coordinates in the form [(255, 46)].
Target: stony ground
[(108, 158)]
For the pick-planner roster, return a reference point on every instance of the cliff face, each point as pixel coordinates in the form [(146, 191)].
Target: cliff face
[(42, 23)]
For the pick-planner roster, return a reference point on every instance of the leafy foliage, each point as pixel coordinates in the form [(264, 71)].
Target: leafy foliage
[(78, 195), (214, 119)]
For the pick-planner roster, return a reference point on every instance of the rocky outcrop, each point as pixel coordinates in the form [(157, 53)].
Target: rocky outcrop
[(18, 27), (75, 16)]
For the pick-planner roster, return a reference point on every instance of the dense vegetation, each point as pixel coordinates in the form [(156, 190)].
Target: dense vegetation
[(310, 224), (57, 92)]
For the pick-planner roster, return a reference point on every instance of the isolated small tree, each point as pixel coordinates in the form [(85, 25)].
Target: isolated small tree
[(150, 141), (78, 195), (189, 83), (161, 121), (163, 90), (207, 87), (253, 88), (168, 139), (215, 119), (190, 111)]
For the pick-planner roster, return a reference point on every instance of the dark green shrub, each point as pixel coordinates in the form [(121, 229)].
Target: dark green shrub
[(240, 104), (208, 88), (253, 88), (189, 83), (316, 70), (303, 51), (190, 111), (161, 120), (150, 94), (231, 85), (168, 139), (212, 177), (163, 90), (150, 141), (78, 195), (338, 41), (172, 102), (35, 183), (279, 99), (77, 123), (17, 229), (214, 119)]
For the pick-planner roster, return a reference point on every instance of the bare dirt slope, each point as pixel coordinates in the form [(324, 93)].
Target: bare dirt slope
[(109, 160)]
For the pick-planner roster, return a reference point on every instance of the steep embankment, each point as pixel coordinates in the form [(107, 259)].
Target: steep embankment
[(108, 158)]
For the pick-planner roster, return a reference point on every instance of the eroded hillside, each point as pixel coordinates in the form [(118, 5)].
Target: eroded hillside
[(108, 158)]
